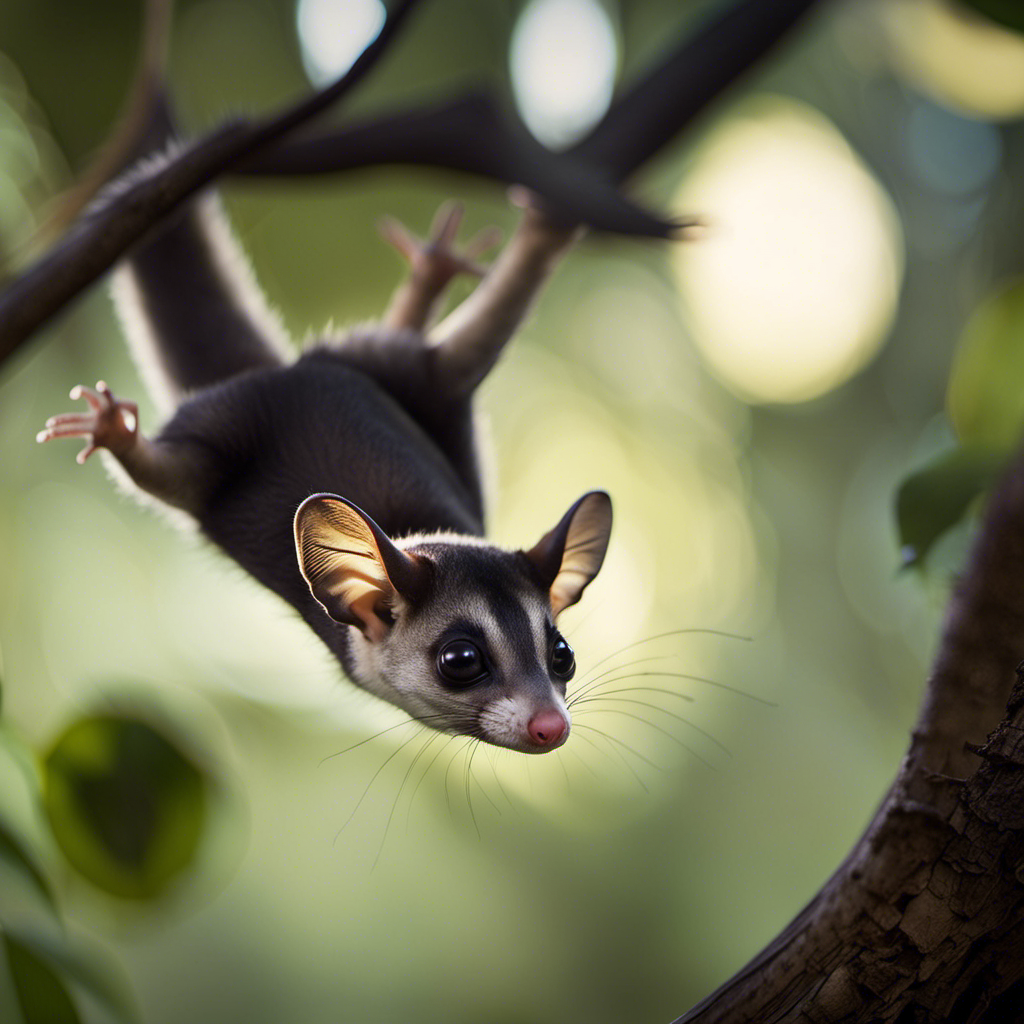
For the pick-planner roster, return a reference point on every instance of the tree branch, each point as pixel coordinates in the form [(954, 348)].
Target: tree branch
[(701, 66), (96, 241), (924, 920), (469, 134), (472, 134)]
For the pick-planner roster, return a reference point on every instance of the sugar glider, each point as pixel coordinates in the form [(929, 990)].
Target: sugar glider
[(346, 480)]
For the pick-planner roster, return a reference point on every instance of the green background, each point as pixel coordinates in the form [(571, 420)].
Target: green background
[(620, 879)]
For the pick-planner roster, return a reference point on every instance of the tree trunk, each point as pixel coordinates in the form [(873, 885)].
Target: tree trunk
[(924, 920)]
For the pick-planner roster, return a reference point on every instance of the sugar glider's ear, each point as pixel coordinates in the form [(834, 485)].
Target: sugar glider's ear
[(351, 566), (569, 557)]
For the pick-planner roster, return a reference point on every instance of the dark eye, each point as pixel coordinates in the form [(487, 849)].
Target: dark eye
[(563, 661), (461, 663)]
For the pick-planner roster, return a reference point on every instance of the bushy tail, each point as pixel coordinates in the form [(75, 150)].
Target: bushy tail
[(187, 297)]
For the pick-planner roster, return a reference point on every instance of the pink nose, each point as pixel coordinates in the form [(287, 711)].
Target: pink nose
[(547, 728)]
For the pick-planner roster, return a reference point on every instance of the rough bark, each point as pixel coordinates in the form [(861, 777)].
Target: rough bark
[(924, 920)]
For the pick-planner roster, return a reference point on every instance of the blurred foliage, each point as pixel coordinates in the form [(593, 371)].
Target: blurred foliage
[(407, 876), (30, 167), (936, 498), (986, 386), (56, 979), (127, 810), (40, 991), (986, 407), (16, 857), (1006, 12), (47, 975), (126, 806)]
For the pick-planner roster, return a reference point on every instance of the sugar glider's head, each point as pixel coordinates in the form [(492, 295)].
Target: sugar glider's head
[(457, 632)]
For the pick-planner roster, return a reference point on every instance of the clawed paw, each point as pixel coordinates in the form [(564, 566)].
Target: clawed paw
[(108, 422), (435, 258)]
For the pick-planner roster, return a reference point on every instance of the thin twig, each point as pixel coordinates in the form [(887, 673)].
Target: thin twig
[(472, 134), (696, 71), (96, 241)]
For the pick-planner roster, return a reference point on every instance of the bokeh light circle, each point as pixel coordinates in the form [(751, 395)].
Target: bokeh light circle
[(333, 33), (563, 60), (959, 58), (793, 284)]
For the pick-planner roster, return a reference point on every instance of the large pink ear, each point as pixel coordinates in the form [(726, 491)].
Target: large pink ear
[(351, 566), (569, 557)]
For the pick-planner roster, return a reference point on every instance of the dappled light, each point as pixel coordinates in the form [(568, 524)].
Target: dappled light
[(333, 33), (963, 60), (563, 62), (30, 167), (765, 400), (793, 285)]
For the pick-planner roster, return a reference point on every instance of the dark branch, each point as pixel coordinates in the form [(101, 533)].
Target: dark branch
[(929, 897), (656, 108), (471, 134), (96, 242)]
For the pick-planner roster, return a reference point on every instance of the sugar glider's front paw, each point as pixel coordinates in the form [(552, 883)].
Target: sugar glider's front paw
[(108, 423)]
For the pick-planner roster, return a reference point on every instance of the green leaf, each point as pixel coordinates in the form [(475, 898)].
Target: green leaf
[(1008, 13), (13, 851), (16, 754), (934, 499), (41, 993), (126, 806), (986, 386), (84, 968)]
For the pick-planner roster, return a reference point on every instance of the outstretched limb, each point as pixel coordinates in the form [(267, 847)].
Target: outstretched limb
[(170, 471), (433, 263), (468, 341)]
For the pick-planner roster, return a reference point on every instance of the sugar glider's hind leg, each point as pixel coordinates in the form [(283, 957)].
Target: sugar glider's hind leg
[(468, 342), (433, 263)]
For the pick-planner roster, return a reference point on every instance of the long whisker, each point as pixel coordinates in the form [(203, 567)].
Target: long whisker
[(473, 747), (481, 745), (695, 679), (398, 797), (615, 654), (657, 707), (447, 771), (616, 740), (588, 679), (612, 740), (671, 632), (582, 760), (565, 772), (664, 732), (490, 754), (422, 750), (387, 760), (587, 695), (426, 772), (391, 728)]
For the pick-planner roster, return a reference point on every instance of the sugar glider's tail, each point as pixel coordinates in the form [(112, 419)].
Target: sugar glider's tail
[(187, 296)]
